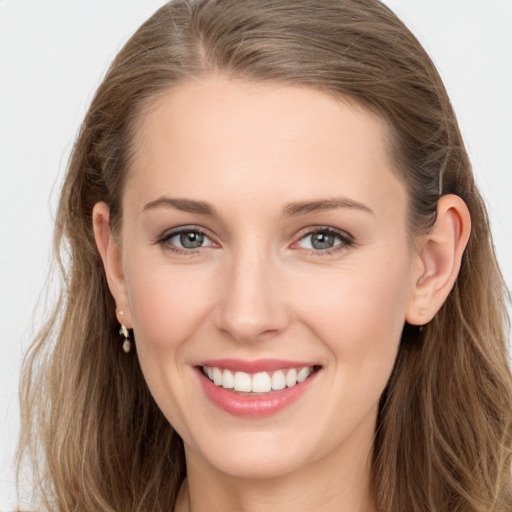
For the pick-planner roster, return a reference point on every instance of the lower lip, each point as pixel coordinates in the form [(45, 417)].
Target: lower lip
[(254, 406)]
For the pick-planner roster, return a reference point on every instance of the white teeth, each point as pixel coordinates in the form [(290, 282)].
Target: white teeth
[(228, 380), (217, 377), (303, 374), (291, 377), (261, 382), (278, 380), (242, 382)]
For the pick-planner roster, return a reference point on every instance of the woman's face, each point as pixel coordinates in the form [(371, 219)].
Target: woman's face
[(264, 242)]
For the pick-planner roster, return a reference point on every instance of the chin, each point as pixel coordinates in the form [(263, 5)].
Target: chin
[(257, 466), (256, 454)]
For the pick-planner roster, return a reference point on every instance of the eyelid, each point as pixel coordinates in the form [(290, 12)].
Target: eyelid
[(346, 239), (164, 238)]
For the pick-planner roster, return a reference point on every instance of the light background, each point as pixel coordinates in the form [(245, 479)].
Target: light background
[(53, 54)]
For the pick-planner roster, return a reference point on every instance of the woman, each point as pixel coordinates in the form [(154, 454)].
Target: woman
[(272, 204)]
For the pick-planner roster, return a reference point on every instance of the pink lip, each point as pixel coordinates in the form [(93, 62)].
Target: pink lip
[(253, 406), (260, 365)]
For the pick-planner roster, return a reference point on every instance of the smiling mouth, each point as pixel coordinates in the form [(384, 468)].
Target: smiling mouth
[(260, 382)]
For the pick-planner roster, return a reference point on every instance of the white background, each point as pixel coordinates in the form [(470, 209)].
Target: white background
[(53, 54)]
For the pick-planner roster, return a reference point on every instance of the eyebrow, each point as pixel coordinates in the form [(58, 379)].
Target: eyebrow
[(305, 207), (291, 209), (184, 205)]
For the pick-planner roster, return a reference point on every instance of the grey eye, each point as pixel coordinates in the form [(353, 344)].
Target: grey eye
[(191, 239), (324, 240), (321, 241), (184, 240)]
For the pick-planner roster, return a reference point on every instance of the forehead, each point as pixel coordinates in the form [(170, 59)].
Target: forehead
[(209, 136)]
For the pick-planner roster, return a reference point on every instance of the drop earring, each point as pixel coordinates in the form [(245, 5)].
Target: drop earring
[(127, 344)]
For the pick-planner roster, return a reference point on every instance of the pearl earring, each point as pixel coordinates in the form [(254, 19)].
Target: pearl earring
[(127, 344)]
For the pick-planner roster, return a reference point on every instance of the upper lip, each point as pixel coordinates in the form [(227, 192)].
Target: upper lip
[(258, 365)]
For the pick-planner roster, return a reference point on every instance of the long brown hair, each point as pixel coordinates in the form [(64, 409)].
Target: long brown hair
[(96, 438)]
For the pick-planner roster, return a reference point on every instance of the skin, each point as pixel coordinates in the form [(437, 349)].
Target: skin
[(257, 290)]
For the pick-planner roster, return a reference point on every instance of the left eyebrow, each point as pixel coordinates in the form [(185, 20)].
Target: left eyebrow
[(305, 207)]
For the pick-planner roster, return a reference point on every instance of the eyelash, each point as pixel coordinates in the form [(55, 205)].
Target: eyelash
[(345, 240), (166, 237)]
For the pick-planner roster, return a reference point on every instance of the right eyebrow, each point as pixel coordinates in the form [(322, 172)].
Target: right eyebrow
[(184, 205)]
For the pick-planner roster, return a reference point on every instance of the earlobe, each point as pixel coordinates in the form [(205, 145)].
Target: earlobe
[(111, 257), (439, 258)]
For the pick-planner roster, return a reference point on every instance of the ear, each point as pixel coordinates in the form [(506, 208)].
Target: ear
[(439, 254), (111, 256)]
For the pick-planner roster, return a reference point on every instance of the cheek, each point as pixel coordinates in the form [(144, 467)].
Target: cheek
[(359, 311), (167, 303), (360, 321)]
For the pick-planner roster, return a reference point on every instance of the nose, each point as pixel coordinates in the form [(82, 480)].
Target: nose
[(251, 305)]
